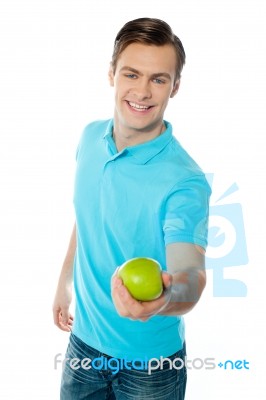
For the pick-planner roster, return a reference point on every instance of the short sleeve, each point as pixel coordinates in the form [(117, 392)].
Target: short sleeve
[(186, 212)]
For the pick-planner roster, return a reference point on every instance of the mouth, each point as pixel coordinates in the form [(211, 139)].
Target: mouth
[(138, 107)]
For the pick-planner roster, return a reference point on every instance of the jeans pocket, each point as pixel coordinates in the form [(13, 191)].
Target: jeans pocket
[(165, 379)]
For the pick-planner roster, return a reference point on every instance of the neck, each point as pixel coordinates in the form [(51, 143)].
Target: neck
[(135, 137)]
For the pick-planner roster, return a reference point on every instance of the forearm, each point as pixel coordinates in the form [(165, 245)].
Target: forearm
[(185, 292), (66, 275), (63, 296), (186, 264)]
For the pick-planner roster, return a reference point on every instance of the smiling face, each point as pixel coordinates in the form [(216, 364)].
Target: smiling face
[(144, 80)]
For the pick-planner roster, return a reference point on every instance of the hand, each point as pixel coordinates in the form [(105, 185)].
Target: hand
[(62, 317), (129, 307)]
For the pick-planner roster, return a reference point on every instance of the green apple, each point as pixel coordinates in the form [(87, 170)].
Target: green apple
[(142, 277)]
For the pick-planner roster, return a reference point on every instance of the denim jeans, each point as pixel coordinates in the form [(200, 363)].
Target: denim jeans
[(107, 379)]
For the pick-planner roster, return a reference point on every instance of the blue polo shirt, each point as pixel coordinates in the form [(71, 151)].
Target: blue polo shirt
[(129, 204)]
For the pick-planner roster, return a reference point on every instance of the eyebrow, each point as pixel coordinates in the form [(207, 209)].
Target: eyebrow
[(156, 75)]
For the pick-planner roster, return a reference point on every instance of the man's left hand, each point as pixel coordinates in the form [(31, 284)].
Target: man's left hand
[(129, 307)]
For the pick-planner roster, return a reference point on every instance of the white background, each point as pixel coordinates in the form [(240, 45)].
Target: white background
[(54, 59)]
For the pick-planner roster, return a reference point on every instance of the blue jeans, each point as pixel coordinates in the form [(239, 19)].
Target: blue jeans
[(84, 377)]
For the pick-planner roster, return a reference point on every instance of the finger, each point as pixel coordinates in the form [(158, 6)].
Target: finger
[(114, 274), (65, 315), (65, 325), (65, 319), (58, 322), (120, 307), (116, 282), (70, 321), (134, 307), (167, 279), (151, 308)]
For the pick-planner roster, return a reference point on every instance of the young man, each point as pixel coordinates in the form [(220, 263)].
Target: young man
[(137, 194)]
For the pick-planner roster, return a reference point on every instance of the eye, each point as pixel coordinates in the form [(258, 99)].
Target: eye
[(158, 81), (131, 76)]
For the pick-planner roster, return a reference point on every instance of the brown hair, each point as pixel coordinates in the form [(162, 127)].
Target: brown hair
[(151, 31)]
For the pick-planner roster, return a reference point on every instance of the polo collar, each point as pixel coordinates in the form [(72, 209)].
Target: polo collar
[(143, 152)]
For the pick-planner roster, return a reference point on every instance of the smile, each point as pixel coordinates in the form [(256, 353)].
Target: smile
[(138, 107)]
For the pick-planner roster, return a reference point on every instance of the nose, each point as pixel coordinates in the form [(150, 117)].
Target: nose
[(142, 90)]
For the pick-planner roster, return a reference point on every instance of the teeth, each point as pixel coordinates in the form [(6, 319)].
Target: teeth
[(134, 105)]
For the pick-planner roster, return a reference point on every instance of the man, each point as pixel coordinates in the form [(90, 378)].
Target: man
[(137, 194)]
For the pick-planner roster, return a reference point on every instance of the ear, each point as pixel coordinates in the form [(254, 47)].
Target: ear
[(175, 88), (111, 75)]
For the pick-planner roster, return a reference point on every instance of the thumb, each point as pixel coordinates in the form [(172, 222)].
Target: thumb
[(167, 279)]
